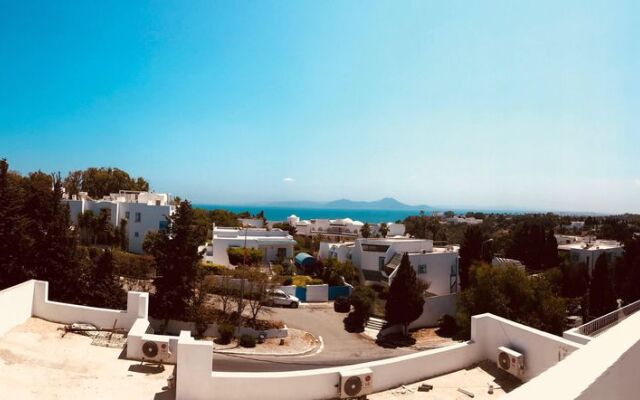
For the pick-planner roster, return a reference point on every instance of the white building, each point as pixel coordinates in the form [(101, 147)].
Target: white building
[(587, 249), (339, 229), (251, 222), (275, 244), (455, 220), (144, 212), (378, 258)]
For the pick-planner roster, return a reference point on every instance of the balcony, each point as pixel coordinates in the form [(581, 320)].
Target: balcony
[(591, 329)]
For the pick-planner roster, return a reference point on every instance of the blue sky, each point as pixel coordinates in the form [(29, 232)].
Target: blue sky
[(461, 104)]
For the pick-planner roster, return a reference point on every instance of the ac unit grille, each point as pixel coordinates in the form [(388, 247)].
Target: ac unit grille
[(504, 360), (150, 349), (353, 386)]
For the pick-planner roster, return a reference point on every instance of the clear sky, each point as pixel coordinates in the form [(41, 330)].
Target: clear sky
[(462, 104)]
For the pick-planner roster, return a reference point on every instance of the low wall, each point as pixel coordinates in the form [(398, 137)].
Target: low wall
[(317, 293), (16, 304), (137, 307), (433, 309), (541, 350), (195, 380)]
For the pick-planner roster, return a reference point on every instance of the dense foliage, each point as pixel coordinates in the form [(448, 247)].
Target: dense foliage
[(510, 293), (98, 182), (36, 241)]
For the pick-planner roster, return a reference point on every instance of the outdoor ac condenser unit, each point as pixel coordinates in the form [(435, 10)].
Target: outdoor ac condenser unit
[(156, 350), (356, 383), (511, 361)]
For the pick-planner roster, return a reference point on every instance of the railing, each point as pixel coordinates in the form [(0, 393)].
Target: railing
[(596, 326)]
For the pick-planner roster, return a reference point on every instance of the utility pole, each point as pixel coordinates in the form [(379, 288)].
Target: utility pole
[(244, 263)]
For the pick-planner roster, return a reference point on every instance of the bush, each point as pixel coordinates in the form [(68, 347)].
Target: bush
[(448, 325), (226, 332), (236, 256), (133, 265), (362, 300), (287, 281), (247, 340), (301, 280), (316, 281), (213, 269)]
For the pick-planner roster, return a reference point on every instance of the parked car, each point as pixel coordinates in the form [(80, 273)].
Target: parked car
[(277, 297), (342, 304)]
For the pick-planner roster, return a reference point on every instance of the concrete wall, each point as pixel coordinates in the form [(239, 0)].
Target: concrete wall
[(137, 307), (195, 380), (434, 308), (16, 304), (317, 293), (541, 350)]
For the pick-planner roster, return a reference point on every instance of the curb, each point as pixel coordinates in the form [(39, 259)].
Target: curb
[(319, 346)]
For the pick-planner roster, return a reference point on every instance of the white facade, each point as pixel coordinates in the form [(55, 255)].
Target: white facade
[(378, 259), (587, 250), (275, 244), (145, 212), (251, 222), (464, 220), (338, 229)]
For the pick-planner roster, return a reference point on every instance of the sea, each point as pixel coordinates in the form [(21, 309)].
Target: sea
[(281, 213)]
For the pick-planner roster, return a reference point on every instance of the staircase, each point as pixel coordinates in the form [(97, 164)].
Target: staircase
[(375, 324)]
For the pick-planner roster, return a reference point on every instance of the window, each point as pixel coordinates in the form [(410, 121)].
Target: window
[(282, 252), (377, 248), (127, 215), (380, 263), (138, 217), (136, 234), (422, 269)]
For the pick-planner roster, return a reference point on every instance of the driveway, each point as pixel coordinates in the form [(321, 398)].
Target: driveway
[(340, 346)]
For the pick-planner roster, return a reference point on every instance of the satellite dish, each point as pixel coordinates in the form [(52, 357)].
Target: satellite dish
[(352, 386), (150, 349), (504, 360)]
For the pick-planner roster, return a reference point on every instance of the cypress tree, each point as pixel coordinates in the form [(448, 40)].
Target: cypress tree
[(405, 299), (602, 298)]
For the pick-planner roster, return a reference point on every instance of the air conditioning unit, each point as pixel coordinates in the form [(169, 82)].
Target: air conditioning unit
[(356, 383), (156, 350), (511, 361)]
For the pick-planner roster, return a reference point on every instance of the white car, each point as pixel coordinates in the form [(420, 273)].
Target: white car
[(277, 297)]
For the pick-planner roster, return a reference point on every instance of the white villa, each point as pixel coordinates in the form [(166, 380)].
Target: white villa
[(339, 229), (144, 212), (587, 249), (455, 220), (275, 244), (377, 260)]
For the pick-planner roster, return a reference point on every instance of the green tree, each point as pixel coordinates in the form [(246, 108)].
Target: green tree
[(365, 231), (602, 298), (287, 227), (177, 260), (105, 290), (510, 293), (628, 272), (405, 299), (470, 252), (98, 182), (13, 240), (550, 257), (384, 229)]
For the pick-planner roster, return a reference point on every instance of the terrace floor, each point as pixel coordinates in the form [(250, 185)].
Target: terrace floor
[(475, 379), (36, 362)]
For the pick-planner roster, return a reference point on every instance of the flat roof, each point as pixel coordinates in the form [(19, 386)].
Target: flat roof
[(36, 362), (475, 379)]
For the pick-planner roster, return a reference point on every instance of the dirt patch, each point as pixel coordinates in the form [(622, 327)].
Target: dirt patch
[(298, 341)]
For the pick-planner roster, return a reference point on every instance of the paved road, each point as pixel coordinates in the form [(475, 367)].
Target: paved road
[(340, 347)]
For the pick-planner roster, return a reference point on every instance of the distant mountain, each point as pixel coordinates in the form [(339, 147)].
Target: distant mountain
[(387, 203)]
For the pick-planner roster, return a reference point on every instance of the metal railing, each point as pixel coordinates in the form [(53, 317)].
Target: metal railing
[(592, 328)]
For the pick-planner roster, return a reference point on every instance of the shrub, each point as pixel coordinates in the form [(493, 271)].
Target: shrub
[(448, 325), (287, 281), (133, 265), (316, 281), (362, 300), (247, 340), (301, 280), (236, 255), (226, 331), (213, 269)]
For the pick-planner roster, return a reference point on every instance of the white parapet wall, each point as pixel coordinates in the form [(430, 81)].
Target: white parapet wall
[(196, 381), (16, 304), (541, 350), (317, 293), (137, 307)]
